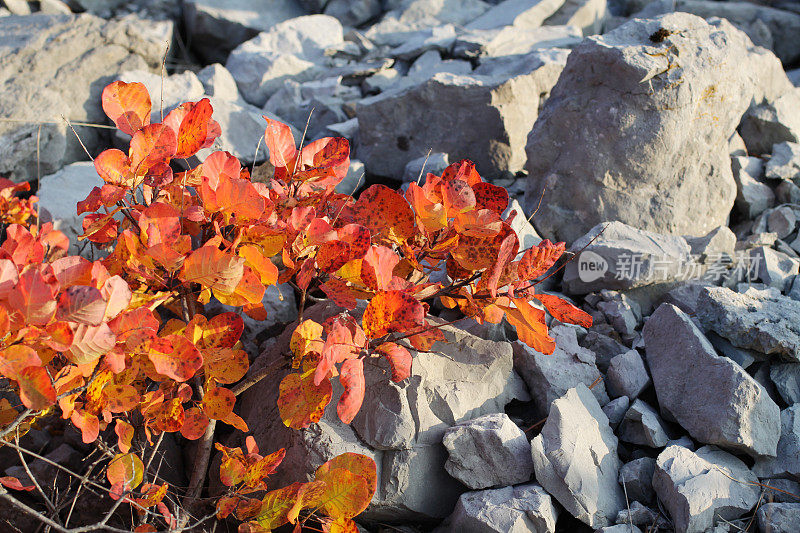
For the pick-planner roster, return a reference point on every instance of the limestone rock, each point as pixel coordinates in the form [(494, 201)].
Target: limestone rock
[(736, 412), (642, 425), (698, 487), (627, 375), (485, 116), (637, 479), (549, 377), (580, 151), (520, 509), (575, 459), (216, 27), (769, 324), (488, 451), (53, 65), (778, 517), (787, 461)]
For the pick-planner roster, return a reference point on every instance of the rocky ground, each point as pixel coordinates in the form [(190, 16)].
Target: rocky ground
[(670, 128)]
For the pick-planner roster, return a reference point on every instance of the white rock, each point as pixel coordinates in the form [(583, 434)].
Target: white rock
[(175, 89), (699, 487), (588, 15), (575, 459), (520, 509), (291, 50), (778, 517), (683, 182), (511, 40), (528, 238), (785, 162), (353, 12), (488, 451), (517, 13), (752, 196), (218, 82), (215, 27), (615, 410), (772, 122), (59, 194)]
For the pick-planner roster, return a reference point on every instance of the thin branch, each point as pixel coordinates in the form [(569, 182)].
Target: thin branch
[(47, 501)]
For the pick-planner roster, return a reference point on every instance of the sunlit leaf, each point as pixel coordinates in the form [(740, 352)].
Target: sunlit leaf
[(300, 402)]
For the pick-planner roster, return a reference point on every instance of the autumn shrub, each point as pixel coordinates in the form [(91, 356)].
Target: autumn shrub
[(123, 349)]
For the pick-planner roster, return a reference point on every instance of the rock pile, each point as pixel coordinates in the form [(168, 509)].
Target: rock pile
[(662, 140)]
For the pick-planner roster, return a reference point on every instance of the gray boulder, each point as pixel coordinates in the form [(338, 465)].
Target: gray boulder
[(215, 27), (400, 425), (291, 50), (624, 257), (549, 377), (642, 425), (575, 459), (420, 167), (588, 15), (54, 65), (736, 412), (766, 323), (752, 196), (698, 488), (488, 451), (627, 375), (778, 517), (353, 12), (636, 478), (520, 509), (772, 122), (787, 462), (773, 268), (619, 528), (484, 116), (615, 410), (786, 377), (776, 29), (218, 82), (785, 162), (779, 490), (513, 40), (623, 94), (516, 13)]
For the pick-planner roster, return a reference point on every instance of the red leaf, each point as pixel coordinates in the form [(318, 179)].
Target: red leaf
[(14, 483), (81, 304), (34, 296), (280, 143), (351, 376), (128, 105), (392, 311), (384, 212), (301, 403), (115, 168), (150, 146), (399, 360), (377, 267), (35, 388), (174, 356), (190, 123)]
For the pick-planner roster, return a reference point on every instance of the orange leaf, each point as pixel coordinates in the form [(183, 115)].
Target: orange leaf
[(34, 297), (115, 168), (384, 212), (377, 267), (213, 268), (458, 197), (538, 259), (356, 463), (280, 143), (530, 326), (81, 304), (88, 423), (346, 493), (190, 123), (276, 505), (174, 356), (300, 402), (225, 365), (35, 389), (489, 196), (150, 146), (125, 469), (564, 311), (392, 311), (15, 358), (124, 433), (218, 403), (399, 359), (120, 398), (128, 105), (261, 265), (351, 376), (195, 423), (263, 467), (90, 343)]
